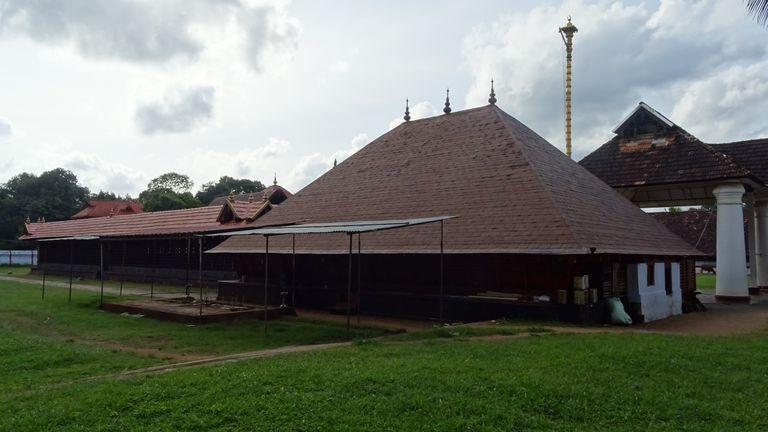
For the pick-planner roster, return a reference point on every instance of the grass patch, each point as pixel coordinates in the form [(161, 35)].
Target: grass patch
[(52, 340), (559, 382), (453, 331), (24, 273), (705, 281), (14, 270)]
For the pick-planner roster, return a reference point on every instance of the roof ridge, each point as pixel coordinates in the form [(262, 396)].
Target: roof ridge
[(439, 116), (748, 141)]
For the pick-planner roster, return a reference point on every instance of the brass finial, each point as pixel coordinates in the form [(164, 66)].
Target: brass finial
[(28, 220), (112, 211), (274, 182), (42, 219), (334, 162), (447, 108), (492, 99), (265, 196), (407, 116), (250, 197), (231, 197)]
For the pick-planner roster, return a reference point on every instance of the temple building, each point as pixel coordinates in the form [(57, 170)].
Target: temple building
[(655, 163), (532, 232), (158, 246)]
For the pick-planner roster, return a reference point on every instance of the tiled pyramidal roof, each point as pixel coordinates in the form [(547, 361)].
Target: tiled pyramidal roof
[(512, 191)]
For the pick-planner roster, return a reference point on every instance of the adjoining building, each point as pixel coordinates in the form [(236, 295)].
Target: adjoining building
[(100, 208), (656, 163), (152, 246), (535, 235)]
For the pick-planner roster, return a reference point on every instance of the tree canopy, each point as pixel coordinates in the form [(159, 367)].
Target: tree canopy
[(53, 195), (175, 182), (225, 185), (169, 191)]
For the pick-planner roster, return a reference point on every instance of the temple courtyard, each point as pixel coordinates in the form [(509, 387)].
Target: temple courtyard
[(69, 365)]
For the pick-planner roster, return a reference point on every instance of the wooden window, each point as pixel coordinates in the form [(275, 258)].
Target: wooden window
[(668, 277), (651, 273)]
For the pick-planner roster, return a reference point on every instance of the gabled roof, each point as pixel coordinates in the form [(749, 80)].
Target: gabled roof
[(638, 114), (99, 208), (655, 152), (512, 191), (275, 193), (751, 155), (243, 210)]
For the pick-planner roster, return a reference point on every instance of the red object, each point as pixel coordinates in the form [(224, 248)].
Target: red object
[(100, 208)]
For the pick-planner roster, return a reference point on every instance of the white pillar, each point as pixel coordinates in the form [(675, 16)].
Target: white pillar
[(749, 212), (761, 242), (731, 253)]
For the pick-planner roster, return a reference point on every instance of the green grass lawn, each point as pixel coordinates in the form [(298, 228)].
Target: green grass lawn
[(438, 380), (52, 340), (24, 272), (705, 281), (549, 382)]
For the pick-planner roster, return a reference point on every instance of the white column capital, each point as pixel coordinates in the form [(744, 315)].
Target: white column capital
[(729, 193)]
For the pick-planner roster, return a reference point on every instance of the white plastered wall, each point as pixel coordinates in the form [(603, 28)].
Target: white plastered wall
[(655, 303)]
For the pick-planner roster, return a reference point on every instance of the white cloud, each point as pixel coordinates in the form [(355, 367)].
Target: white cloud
[(624, 52), (340, 66), (421, 110), (99, 174), (271, 35), (727, 105), (254, 163), (150, 31), (6, 129), (179, 111), (314, 165)]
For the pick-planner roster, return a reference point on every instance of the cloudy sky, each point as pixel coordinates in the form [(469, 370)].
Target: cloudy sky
[(120, 91)]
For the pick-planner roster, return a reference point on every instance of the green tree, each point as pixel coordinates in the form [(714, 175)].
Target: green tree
[(53, 195), (225, 185), (175, 182), (169, 191), (104, 195)]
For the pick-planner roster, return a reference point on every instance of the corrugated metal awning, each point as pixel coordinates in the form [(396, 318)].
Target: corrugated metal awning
[(334, 227)]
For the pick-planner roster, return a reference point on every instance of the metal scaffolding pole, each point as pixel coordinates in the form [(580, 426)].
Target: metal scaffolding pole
[(293, 272), (349, 282), (442, 267), (152, 283), (101, 272), (122, 269), (71, 254), (44, 269), (266, 281), (359, 277), (189, 263), (200, 272)]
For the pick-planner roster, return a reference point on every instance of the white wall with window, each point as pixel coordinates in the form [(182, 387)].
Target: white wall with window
[(655, 286)]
